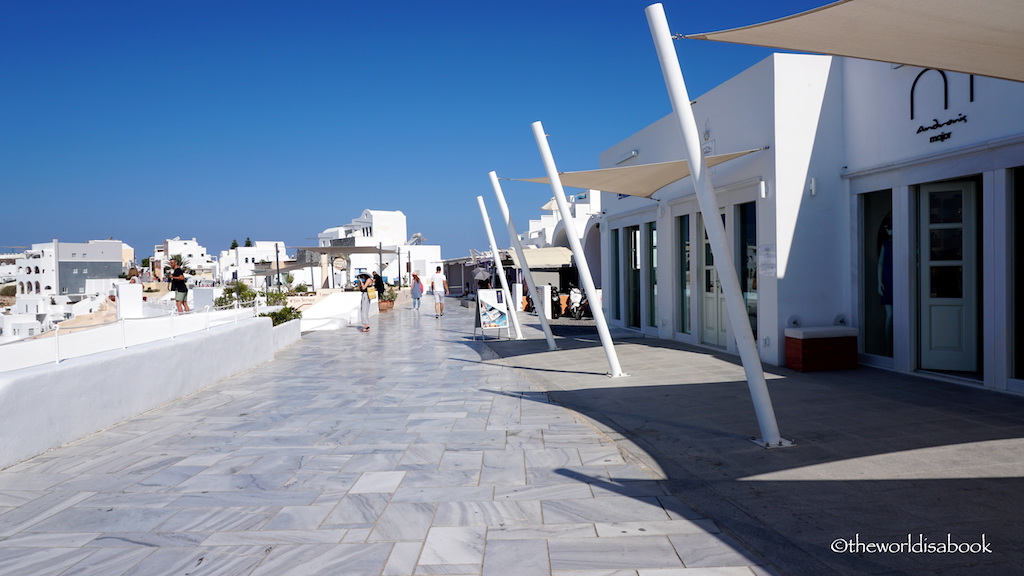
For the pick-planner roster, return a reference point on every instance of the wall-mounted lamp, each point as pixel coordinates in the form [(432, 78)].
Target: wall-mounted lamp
[(630, 155), (814, 187), (762, 188)]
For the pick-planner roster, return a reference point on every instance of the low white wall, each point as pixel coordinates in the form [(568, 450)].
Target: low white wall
[(44, 407), (287, 334), (135, 331), (336, 311)]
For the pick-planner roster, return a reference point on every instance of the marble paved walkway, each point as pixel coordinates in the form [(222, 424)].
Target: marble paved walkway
[(408, 450)]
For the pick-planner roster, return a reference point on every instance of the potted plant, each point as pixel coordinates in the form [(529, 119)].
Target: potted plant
[(386, 301)]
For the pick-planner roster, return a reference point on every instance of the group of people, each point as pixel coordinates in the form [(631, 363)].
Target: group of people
[(438, 286), (178, 284)]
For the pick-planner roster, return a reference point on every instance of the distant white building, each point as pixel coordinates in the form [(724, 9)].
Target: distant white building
[(8, 266), (550, 229), (239, 263), (57, 280), (193, 253), (399, 256), (68, 268)]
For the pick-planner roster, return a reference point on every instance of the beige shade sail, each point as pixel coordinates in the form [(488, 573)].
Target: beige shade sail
[(984, 37), (642, 180), (552, 257)]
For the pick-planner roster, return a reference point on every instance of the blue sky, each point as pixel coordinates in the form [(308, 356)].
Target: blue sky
[(275, 120)]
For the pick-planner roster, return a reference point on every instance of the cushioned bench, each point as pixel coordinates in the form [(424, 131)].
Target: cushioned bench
[(821, 348)]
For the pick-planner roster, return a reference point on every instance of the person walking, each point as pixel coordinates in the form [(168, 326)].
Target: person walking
[(439, 282), (416, 290), (364, 283), (180, 287)]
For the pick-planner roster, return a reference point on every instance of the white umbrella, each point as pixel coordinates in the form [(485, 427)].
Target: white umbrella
[(481, 274)]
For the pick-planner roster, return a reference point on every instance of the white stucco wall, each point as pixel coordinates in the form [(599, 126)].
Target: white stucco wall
[(879, 129), (813, 236), (44, 407)]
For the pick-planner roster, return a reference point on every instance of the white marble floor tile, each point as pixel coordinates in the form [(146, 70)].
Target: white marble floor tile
[(655, 528), (41, 561), (108, 562), (461, 460), (613, 553), (337, 560), (274, 537), (228, 561), (562, 491), (519, 557), (299, 518), (105, 520), (442, 494), (707, 550), (502, 513), (602, 510), (149, 540), (402, 561), (404, 521), (357, 510), (463, 545), (374, 482)]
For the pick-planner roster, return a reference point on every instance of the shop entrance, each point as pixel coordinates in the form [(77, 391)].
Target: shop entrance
[(948, 277), (714, 317)]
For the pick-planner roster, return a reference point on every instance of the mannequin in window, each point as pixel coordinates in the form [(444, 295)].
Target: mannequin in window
[(885, 277)]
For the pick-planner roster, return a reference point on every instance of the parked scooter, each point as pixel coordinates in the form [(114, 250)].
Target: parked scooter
[(576, 302), (556, 303)]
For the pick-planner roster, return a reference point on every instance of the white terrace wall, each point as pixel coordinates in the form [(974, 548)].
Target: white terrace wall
[(45, 407)]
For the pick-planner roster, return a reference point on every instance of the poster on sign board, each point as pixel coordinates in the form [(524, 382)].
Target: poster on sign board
[(492, 309)]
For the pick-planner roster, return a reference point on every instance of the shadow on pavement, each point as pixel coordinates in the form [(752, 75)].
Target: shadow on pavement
[(881, 458)]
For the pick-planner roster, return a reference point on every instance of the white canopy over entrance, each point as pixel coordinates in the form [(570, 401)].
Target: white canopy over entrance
[(985, 38), (642, 180), (550, 257)]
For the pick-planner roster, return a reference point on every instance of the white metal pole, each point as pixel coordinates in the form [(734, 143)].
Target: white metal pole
[(577, 250), (715, 229), (501, 269), (518, 247)]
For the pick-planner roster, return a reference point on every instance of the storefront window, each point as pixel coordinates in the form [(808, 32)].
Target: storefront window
[(632, 254), (652, 274), (683, 224), (616, 249), (877, 296), (748, 260), (1017, 278)]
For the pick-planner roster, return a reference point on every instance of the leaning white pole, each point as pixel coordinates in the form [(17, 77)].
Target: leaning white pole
[(501, 269), (715, 229), (577, 250), (518, 247)]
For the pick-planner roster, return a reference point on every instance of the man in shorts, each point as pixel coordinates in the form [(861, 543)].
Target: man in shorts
[(438, 282), (180, 287)]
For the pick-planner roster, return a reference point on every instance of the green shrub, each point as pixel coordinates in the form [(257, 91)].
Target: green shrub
[(275, 298), (10, 290), (238, 292), (283, 315)]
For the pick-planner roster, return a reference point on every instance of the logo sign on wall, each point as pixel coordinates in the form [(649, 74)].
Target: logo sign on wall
[(492, 309)]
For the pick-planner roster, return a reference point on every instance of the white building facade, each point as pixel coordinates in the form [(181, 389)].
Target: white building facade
[(399, 254), (239, 263), (890, 199), (68, 268), (194, 254)]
